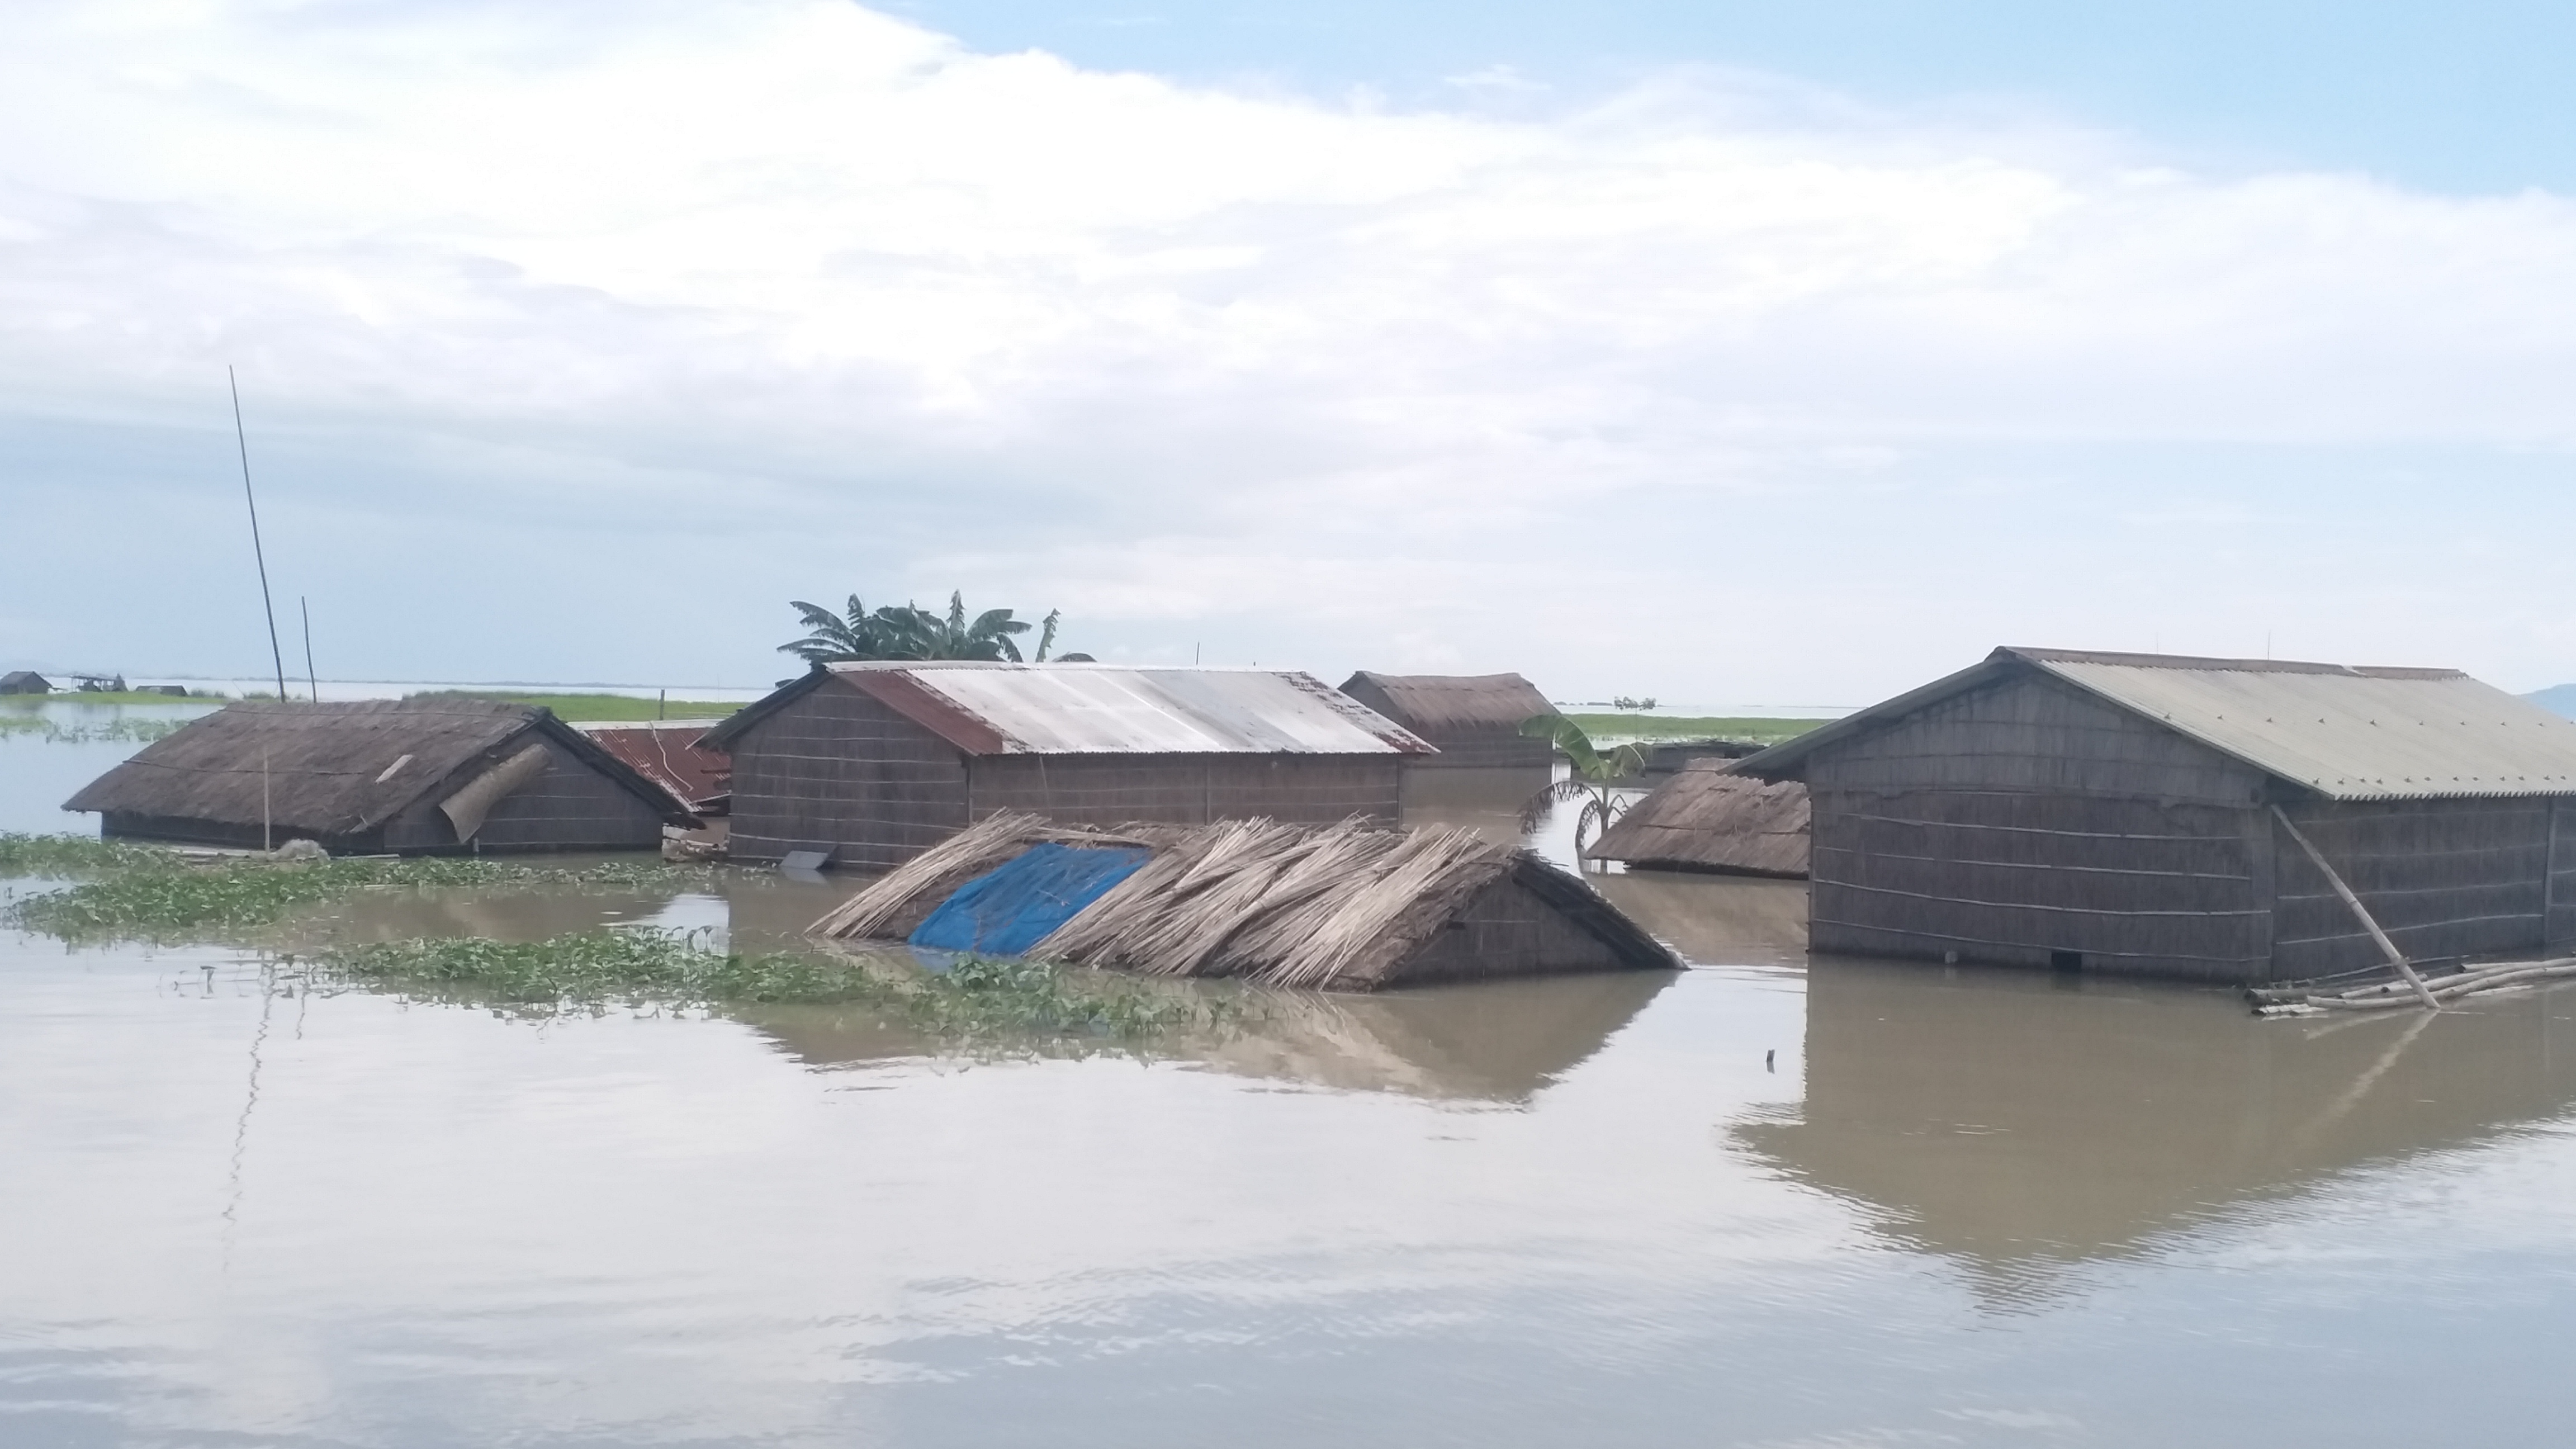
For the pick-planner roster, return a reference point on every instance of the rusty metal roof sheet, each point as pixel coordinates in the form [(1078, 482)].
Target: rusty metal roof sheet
[(671, 754), (1081, 709), (2346, 732)]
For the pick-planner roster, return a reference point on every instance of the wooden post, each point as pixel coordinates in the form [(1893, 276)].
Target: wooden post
[(267, 836), (2387, 947), (2549, 877)]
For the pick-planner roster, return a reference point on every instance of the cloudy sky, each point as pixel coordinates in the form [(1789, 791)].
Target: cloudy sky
[(1731, 353)]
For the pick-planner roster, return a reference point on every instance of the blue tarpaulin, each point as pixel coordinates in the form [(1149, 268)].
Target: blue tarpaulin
[(1006, 911)]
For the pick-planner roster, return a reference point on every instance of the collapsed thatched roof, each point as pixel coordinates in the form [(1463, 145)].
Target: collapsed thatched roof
[(1348, 906), (1450, 703), (1706, 818), (337, 769)]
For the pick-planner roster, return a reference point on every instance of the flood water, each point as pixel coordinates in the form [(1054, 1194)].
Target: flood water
[(1767, 1201)]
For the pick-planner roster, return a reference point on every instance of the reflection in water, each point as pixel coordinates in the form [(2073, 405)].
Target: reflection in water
[(1556, 1211), (1497, 1042), (2017, 1122), (1716, 920)]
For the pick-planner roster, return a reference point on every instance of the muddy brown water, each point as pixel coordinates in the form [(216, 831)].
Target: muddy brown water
[(1767, 1201)]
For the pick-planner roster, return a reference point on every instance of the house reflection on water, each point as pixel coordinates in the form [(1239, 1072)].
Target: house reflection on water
[(2023, 1122)]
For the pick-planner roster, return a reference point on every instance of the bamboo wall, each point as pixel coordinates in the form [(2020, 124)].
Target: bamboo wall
[(1483, 749), (570, 807), (2016, 823), (1506, 930), (2444, 878), (1188, 789), (835, 769)]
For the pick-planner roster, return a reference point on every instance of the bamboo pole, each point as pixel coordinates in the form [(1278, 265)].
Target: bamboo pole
[(2387, 947)]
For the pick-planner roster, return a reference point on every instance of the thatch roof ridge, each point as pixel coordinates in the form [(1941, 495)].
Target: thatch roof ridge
[(1419, 702), (335, 768)]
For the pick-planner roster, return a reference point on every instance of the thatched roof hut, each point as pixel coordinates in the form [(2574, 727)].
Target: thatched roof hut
[(1342, 907), (1473, 720), (1706, 818), (403, 776)]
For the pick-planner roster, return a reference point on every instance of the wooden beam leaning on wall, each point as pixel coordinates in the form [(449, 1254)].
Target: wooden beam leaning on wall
[(2387, 947)]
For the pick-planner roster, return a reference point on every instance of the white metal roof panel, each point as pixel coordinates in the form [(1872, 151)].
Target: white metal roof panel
[(1108, 709), (2348, 734)]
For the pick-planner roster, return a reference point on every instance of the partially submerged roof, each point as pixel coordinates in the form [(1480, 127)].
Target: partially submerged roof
[(672, 753), (1085, 709), (332, 769), (2344, 732), (1433, 703), (1706, 817), (1349, 906)]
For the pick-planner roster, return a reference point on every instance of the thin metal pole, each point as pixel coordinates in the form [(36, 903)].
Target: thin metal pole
[(241, 437), (309, 677)]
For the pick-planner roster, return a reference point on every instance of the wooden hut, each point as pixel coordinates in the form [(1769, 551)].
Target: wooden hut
[(873, 763), (25, 681), (1473, 720), (1708, 818), (407, 776), (1349, 907), (2198, 818)]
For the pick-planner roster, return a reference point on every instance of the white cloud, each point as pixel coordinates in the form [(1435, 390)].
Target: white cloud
[(1190, 353)]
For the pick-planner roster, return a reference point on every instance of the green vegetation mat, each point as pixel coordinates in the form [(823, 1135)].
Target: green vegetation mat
[(1614, 727), (599, 708), (138, 892), (637, 967)]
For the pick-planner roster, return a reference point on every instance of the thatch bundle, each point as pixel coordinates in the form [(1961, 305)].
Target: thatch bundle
[(1348, 906)]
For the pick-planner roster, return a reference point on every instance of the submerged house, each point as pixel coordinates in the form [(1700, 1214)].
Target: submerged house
[(25, 681), (872, 763), (1705, 817), (2198, 818), (1473, 720), (1348, 907), (401, 776)]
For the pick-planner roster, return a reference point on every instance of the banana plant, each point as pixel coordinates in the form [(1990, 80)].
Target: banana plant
[(1591, 780), (908, 631)]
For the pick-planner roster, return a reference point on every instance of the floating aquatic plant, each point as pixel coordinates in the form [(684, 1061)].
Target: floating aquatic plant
[(592, 971), (145, 892)]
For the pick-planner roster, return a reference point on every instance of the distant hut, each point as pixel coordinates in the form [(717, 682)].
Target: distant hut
[(400, 776), (24, 681), (2169, 816), (1473, 720), (1340, 907), (1706, 818), (873, 763), (674, 754)]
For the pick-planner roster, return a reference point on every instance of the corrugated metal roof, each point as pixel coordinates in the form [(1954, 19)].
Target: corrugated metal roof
[(1076, 709), (2348, 733)]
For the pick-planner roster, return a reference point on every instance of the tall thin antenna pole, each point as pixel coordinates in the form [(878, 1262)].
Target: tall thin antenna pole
[(276, 655), (310, 677)]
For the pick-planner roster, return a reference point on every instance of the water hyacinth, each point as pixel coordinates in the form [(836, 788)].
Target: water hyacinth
[(592, 971), (143, 892)]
